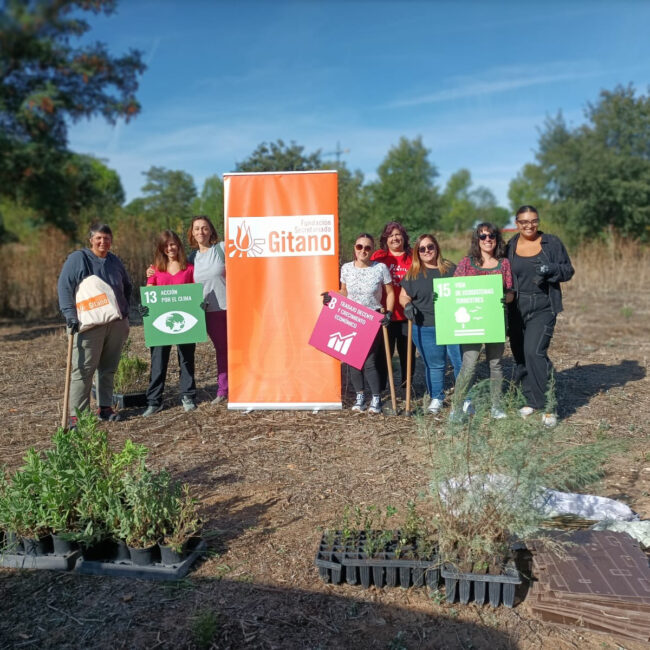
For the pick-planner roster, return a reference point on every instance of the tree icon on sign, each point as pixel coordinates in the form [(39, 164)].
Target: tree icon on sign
[(462, 316)]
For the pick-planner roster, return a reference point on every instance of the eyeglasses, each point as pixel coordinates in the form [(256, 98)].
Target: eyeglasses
[(361, 247), (487, 235), (528, 224), (429, 248)]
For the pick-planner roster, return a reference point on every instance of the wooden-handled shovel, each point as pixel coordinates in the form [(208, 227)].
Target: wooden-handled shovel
[(66, 389)]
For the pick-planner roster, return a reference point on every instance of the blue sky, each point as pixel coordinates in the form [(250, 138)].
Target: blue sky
[(474, 79)]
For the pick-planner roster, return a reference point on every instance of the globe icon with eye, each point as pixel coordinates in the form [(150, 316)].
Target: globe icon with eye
[(175, 322)]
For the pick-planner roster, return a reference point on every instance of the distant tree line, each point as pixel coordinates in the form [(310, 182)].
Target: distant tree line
[(586, 181)]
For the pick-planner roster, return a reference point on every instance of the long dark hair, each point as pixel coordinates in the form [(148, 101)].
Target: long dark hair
[(417, 265), (475, 249), (160, 258), (385, 234)]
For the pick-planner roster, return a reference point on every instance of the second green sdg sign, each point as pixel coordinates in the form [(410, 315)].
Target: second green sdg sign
[(175, 314), (469, 310)]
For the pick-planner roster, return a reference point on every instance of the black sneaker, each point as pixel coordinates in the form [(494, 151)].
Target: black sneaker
[(107, 413)]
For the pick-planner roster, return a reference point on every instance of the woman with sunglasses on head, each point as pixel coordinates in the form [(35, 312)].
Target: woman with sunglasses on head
[(539, 263), (486, 257), (395, 252), (417, 300), (363, 281)]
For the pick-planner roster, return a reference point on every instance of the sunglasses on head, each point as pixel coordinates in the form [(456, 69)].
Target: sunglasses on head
[(361, 247), (487, 235), (427, 249)]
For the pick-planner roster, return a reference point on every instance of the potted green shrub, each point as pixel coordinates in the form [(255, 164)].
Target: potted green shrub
[(488, 481), (131, 379), (146, 511), (182, 525)]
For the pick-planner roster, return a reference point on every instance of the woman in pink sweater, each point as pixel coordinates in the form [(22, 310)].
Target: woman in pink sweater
[(170, 267)]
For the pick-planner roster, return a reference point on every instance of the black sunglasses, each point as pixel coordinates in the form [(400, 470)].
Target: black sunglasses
[(485, 235), (361, 247), (427, 249)]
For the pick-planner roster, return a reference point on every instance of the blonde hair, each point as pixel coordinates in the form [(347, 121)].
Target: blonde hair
[(442, 264)]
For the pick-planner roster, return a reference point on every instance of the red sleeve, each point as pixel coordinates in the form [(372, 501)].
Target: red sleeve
[(461, 269), (153, 279)]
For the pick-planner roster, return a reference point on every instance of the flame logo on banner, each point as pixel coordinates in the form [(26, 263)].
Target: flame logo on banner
[(244, 245)]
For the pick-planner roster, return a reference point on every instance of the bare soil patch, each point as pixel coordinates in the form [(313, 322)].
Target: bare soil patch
[(269, 481)]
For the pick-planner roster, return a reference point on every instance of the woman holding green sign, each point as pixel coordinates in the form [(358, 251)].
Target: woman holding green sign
[(417, 299), (170, 267), (486, 257), (539, 263)]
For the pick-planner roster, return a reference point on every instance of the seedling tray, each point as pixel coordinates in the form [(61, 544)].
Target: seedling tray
[(338, 562), (126, 569), (476, 586), (50, 561)]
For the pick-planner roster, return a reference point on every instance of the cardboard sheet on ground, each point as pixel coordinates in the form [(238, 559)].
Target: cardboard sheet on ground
[(175, 314), (469, 310), (345, 330)]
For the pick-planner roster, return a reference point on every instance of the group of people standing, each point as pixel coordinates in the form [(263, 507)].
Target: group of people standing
[(398, 279), (395, 278), (96, 350)]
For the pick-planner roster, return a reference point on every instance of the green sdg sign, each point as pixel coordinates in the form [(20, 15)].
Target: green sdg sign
[(469, 310), (175, 314)]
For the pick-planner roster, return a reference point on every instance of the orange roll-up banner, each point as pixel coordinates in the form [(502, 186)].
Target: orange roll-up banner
[(281, 253)]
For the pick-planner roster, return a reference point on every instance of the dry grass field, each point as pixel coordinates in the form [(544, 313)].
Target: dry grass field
[(269, 481)]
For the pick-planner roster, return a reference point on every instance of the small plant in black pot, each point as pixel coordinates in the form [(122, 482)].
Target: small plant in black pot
[(183, 524)]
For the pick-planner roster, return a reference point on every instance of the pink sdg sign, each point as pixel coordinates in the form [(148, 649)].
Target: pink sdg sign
[(345, 330)]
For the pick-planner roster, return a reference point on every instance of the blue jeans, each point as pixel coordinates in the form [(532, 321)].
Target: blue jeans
[(456, 358), (434, 357)]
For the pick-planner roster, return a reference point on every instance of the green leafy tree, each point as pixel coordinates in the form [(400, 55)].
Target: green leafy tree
[(463, 206), (596, 177), (405, 189), (210, 201), (168, 197), (45, 83), (279, 157)]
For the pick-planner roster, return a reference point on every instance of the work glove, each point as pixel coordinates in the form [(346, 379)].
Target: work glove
[(410, 311), (435, 296), (326, 297), (386, 319), (143, 310), (545, 270), (72, 325), (204, 306)]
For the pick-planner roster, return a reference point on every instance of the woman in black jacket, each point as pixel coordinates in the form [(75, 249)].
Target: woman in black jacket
[(539, 263)]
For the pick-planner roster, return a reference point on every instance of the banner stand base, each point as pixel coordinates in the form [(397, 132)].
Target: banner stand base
[(285, 406)]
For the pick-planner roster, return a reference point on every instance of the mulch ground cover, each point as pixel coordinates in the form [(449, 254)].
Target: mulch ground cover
[(269, 482)]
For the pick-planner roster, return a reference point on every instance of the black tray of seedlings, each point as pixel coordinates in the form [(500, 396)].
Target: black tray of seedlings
[(478, 587), (377, 558)]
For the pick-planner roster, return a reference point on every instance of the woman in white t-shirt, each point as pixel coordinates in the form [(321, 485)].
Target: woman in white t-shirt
[(363, 281)]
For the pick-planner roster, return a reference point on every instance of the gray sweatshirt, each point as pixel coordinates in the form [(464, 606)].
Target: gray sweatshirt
[(77, 267)]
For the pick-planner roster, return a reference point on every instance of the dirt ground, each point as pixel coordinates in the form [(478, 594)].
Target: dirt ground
[(269, 482)]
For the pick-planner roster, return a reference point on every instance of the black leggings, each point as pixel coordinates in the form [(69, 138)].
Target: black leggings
[(532, 322), (369, 370)]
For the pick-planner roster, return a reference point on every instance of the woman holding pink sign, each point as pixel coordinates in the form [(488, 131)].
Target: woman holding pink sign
[(362, 281)]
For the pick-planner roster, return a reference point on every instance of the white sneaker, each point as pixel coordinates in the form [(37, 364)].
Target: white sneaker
[(468, 409), (435, 406), (497, 413), (526, 411), (360, 403), (188, 404), (549, 419), (375, 405)]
